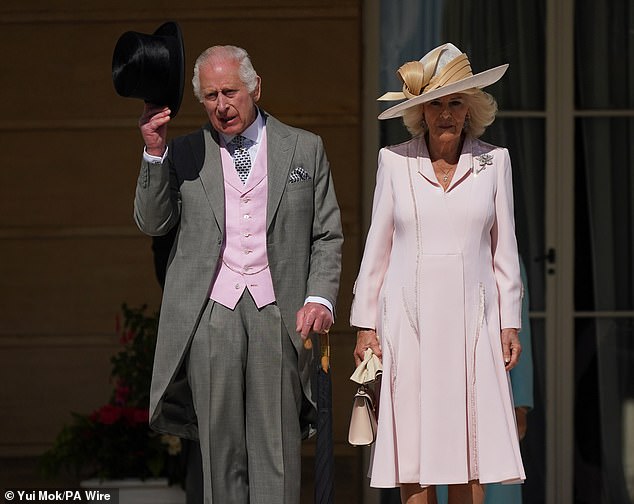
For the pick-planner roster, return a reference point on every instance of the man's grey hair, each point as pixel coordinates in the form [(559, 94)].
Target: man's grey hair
[(247, 73)]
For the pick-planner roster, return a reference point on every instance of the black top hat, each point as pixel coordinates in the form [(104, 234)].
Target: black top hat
[(151, 67)]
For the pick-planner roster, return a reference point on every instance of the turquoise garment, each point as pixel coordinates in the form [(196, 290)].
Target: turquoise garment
[(522, 384), (495, 494)]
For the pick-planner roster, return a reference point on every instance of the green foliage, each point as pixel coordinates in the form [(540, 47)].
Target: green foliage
[(115, 440), (132, 367)]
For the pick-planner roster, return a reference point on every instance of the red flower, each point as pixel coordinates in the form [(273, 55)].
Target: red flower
[(137, 416), (108, 414), (126, 337)]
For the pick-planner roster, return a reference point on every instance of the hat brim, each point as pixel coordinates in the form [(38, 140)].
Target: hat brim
[(177, 80), (479, 81)]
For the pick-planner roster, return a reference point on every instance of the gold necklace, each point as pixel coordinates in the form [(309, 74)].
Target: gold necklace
[(446, 173)]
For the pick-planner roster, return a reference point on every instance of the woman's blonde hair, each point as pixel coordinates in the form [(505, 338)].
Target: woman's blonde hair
[(482, 110)]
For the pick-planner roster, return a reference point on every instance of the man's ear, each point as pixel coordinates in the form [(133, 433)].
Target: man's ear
[(255, 94)]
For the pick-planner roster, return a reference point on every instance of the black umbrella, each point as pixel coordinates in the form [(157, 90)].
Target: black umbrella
[(324, 459)]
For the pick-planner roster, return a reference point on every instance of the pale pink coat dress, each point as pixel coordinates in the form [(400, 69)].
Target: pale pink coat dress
[(439, 277)]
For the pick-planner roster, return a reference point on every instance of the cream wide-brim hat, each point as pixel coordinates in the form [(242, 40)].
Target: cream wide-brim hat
[(443, 71)]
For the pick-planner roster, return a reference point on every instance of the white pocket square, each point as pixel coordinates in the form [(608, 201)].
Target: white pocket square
[(298, 174)]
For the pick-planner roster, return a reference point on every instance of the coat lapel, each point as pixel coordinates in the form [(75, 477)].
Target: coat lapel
[(464, 164), (281, 143), (426, 169), (211, 176)]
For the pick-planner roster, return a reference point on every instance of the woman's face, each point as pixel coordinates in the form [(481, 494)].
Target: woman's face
[(445, 117)]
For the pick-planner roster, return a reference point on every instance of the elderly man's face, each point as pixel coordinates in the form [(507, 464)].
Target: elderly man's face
[(229, 105)]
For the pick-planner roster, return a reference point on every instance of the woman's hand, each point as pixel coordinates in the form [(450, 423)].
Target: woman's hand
[(366, 338), (511, 347)]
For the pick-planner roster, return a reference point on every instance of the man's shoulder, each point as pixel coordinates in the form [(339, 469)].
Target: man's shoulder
[(188, 150), (479, 147), (274, 124)]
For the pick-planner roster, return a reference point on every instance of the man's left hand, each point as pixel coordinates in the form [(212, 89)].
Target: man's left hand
[(313, 317)]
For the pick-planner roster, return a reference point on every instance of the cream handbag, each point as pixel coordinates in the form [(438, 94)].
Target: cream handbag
[(363, 421)]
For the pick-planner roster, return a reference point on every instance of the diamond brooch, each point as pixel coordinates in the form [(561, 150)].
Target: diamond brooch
[(483, 161)]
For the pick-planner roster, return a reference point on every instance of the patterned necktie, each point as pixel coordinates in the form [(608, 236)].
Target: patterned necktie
[(241, 158)]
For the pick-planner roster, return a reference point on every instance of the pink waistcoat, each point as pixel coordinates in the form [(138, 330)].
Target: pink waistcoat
[(244, 258)]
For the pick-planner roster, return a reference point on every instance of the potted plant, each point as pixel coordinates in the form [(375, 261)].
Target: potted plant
[(114, 442)]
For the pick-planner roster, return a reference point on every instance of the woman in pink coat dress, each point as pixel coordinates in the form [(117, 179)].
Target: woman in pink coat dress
[(439, 293)]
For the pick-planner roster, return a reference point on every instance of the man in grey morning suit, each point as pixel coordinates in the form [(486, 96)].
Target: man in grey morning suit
[(254, 270)]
